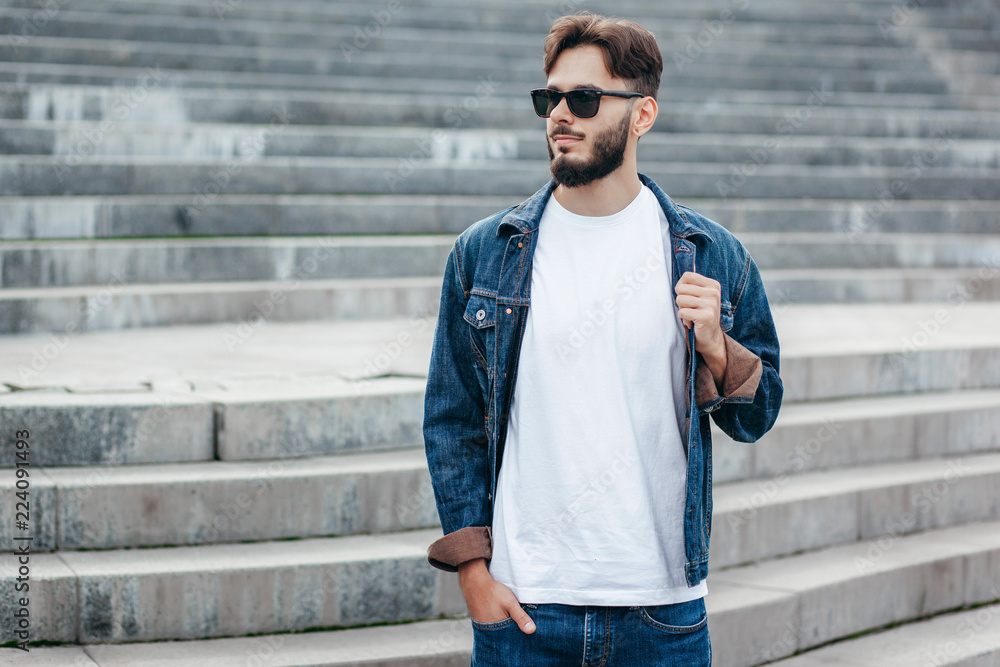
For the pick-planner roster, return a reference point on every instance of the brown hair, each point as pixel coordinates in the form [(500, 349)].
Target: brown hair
[(630, 51)]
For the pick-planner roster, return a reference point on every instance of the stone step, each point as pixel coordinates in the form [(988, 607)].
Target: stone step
[(122, 305), (65, 263), (256, 390), (873, 430), (306, 58), (967, 638), (789, 513), (897, 216), (138, 216), (742, 37), (740, 72), (203, 179), (30, 264), (758, 612), (834, 286), (216, 502), (438, 643), (152, 100), (702, 77), (230, 141), (778, 607), (515, 17), (41, 74), (194, 592), (230, 420), (220, 502), (975, 47), (125, 305)]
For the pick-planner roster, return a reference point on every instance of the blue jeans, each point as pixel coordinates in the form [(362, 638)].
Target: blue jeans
[(667, 635)]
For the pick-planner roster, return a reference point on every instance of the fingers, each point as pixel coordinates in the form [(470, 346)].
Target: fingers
[(692, 278), (693, 301), (521, 618), (710, 291), (697, 285)]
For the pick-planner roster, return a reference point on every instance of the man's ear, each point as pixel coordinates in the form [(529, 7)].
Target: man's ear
[(645, 116)]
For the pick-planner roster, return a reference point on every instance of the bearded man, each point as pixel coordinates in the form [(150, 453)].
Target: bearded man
[(585, 338)]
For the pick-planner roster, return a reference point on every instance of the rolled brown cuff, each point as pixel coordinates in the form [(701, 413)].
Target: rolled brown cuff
[(743, 372), (448, 552)]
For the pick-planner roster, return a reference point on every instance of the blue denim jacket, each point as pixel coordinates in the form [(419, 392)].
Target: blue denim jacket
[(474, 364)]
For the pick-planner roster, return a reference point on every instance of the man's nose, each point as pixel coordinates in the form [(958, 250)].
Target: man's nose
[(561, 113)]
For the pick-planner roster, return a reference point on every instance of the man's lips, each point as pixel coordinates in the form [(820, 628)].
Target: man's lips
[(562, 139)]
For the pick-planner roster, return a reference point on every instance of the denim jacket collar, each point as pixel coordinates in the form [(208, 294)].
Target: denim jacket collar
[(527, 215)]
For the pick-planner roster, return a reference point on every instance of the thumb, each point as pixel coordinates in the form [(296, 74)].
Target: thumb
[(521, 618)]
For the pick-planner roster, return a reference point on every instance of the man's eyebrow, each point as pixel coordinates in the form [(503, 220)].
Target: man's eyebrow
[(576, 87)]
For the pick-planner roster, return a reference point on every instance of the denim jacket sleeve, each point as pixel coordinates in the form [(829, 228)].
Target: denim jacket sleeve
[(454, 429), (751, 393)]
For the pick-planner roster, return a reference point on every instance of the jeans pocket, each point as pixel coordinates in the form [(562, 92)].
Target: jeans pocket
[(496, 625), (677, 618)]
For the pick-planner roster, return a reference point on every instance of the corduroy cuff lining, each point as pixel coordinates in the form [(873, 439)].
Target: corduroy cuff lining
[(743, 372), (448, 552)]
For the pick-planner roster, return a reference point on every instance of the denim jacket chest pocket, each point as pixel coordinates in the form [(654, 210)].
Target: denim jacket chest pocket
[(481, 314)]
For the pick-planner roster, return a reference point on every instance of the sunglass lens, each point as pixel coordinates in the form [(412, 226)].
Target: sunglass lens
[(583, 103), (544, 104)]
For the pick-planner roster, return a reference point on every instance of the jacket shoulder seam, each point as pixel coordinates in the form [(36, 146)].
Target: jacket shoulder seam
[(743, 283), (460, 270)]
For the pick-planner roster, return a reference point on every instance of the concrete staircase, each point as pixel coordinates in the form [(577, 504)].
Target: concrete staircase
[(223, 229)]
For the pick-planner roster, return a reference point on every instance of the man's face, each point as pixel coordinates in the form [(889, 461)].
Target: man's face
[(583, 150)]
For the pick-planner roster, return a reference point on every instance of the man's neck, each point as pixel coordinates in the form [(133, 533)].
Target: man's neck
[(603, 197)]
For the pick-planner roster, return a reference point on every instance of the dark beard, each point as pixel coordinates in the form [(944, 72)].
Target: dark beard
[(609, 154)]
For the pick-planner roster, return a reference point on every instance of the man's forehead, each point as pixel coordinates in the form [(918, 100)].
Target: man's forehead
[(580, 67)]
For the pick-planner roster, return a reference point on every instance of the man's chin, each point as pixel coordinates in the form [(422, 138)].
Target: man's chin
[(565, 158), (564, 148), (568, 178)]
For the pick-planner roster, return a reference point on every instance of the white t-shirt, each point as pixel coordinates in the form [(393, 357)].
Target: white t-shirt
[(590, 500)]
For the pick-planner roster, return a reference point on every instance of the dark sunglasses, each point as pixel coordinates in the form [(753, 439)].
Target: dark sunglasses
[(582, 102)]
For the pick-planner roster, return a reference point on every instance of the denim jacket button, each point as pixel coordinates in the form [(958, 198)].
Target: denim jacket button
[(480, 314)]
